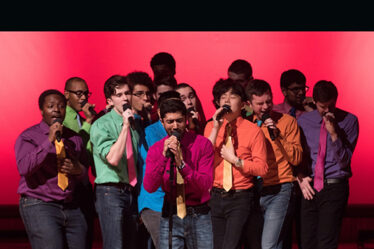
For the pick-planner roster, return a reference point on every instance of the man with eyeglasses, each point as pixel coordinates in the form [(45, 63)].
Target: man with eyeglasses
[(77, 94), (142, 90), (295, 103)]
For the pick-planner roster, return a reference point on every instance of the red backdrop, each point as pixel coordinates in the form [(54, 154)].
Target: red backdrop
[(31, 62)]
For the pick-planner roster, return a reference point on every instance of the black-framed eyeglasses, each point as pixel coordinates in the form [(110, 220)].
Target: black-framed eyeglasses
[(295, 90), (80, 93), (141, 94)]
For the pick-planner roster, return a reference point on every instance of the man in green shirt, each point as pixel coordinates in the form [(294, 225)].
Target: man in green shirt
[(76, 93), (115, 149)]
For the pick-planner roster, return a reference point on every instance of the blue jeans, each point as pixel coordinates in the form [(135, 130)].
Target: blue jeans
[(195, 230), (114, 206), (274, 203), (52, 224), (151, 220)]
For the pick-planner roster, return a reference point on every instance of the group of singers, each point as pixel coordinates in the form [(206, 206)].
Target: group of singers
[(165, 177)]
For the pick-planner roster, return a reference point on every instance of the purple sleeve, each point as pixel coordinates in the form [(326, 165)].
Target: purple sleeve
[(155, 167), (346, 142), (200, 178), (30, 155)]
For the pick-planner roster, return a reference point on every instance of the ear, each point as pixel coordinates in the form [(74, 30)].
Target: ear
[(217, 103), (284, 91), (109, 101), (158, 113), (249, 103), (67, 95)]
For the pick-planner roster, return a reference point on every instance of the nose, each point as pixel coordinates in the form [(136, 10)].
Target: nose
[(175, 125)]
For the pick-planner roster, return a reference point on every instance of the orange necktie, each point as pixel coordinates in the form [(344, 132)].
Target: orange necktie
[(227, 167), (62, 179)]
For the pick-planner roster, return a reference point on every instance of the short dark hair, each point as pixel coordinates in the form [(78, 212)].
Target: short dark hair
[(165, 80), (172, 94), (224, 85), (172, 106), (324, 91), (139, 78), (241, 67), (183, 85), (71, 80), (292, 76), (48, 92), (257, 87), (112, 83), (163, 58)]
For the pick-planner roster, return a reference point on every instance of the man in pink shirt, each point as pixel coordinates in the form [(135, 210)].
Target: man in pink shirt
[(192, 156)]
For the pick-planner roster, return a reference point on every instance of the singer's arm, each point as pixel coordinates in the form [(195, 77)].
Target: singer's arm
[(30, 155), (289, 140)]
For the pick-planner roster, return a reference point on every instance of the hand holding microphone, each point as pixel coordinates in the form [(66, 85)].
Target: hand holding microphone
[(88, 109), (55, 130), (192, 112), (225, 109), (130, 118), (272, 129), (171, 144)]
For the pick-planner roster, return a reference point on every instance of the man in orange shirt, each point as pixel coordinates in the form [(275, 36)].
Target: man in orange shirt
[(284, 150), (240, 150)]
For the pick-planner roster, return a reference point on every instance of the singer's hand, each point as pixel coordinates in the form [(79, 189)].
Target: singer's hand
[(228, 153), (87, 113), (52, 131), (330, 125), (171, 143), (125, 115), (306, 189), (217, 124), (271, 124), (70, 167)]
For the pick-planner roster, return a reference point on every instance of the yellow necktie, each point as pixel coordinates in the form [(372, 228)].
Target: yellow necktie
[(181, 201), (227, 167), (62, 179)]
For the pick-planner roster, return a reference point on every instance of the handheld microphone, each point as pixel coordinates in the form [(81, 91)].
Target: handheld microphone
[(270, 130), (170, 154), (131, 119), (226, 109), (91, 109), (194, 120), (58, 133), (148, 107)]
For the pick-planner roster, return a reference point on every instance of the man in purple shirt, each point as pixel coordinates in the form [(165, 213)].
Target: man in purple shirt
[(193, 157), (49, 213), (322, 209)]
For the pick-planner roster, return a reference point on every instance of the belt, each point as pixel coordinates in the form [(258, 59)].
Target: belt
[(334, 180), (124, 186), (190, 210), (223, 192)]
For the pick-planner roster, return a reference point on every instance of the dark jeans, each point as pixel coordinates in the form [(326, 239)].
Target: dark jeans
[(53, 224), (321, 217), (229, 214), (115, 208), (293, 219), (84, 196)]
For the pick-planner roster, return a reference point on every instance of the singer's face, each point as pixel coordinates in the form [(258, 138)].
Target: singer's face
[(188, 97), (261, 104), (53, 107), (234, 101), (76, 94), (161, 89), (174, 121), (141, 96), (325, 107), (122, 96), (295, 94)]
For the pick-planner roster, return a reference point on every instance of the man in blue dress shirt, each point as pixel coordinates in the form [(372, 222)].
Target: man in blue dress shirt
[(325, 185)]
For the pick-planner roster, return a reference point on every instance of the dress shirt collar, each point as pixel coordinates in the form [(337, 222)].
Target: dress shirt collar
[(71, 112), (116, 117), (44, 127)]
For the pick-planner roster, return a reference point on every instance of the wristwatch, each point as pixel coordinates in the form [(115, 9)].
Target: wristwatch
[(239, 162), (181, 166)]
